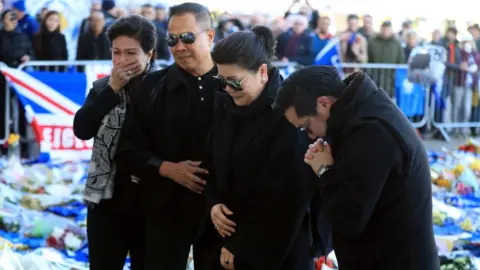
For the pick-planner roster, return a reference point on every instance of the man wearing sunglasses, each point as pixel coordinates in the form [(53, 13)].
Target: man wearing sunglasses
[(374, 175), (165, 132)]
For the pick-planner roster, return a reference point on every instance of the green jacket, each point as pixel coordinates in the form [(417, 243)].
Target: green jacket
[(385, 51)]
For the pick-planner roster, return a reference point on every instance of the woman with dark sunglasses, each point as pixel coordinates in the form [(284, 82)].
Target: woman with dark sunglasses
[(258, 201), (115, 225)]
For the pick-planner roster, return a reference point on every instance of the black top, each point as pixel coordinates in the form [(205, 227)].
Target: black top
[(378, 195), (254, 171), (13, 46), (201, 114), (99, 102), (91, 47), (169, 121)]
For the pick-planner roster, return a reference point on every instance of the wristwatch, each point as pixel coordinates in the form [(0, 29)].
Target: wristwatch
[(323, 169)]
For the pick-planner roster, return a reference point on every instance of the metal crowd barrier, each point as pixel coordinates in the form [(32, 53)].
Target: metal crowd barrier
[(7, 116), (382, 74), (384, 77)]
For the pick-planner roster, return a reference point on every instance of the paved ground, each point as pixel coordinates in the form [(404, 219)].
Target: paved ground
[(438, 145)]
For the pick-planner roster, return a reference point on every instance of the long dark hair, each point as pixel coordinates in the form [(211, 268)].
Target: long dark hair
[(138, 28), (40, 36), (247, 49)]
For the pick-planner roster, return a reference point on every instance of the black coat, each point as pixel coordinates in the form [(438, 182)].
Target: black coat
[(99, 102), (254, 170), (13, 46), (378, 195), (50, 46), (91, 47), (158, 127)]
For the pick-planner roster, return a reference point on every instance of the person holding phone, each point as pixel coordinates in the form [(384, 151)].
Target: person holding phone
[(114, 224)]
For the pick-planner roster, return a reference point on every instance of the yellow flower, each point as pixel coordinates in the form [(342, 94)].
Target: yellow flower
[(459, 170), (13, 139)]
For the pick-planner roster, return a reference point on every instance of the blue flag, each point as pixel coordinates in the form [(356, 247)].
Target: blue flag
[(330, 56)]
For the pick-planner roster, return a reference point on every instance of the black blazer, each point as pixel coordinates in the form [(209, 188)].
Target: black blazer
[(158, 127), (253, 170)]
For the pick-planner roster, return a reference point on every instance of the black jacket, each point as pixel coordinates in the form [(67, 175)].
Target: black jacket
[(158, 127), (91, 47), (378, 195), (13, 46), (303, 53), (254, 169), (50, 46), (99, 102)]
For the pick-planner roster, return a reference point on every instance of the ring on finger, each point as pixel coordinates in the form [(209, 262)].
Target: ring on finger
[(129, 72)]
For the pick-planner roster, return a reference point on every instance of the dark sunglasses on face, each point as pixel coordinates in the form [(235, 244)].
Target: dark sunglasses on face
[(186, 38), (235, 84)]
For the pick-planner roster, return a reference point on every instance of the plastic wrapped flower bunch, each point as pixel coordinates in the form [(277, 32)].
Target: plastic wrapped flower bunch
[(458, 173), (65, 239)]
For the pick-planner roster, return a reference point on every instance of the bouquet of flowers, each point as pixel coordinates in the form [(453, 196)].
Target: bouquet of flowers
[(12, 144)]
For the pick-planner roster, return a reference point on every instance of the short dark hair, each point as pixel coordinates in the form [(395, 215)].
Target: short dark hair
[(138, 28), (475, 26), (352, 17), (303, 87), (147, 6), (201, 13), (452, 29), (247, 49)]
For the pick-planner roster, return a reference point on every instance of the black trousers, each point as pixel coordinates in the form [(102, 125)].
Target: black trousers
[(115, 229), (299, 258), (168, 245)]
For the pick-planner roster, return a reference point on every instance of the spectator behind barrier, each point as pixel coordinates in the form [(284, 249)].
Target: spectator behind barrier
[(94, 44), (50, 43), (84, 26), (161, 16), (295, 45), (321, 36), (16, 47), (27, 23), (463, 94), (110, 12), (367, 29), (385, 48), (162, 51), (474, 30), (353, 46)]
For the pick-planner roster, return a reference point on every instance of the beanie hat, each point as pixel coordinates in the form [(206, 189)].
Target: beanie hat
[(19, 5), (108, 5)]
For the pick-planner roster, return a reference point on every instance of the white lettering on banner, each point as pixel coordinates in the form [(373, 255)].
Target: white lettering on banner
[(63, 138)]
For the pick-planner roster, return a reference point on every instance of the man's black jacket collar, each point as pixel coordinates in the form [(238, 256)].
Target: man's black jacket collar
[(359, 88), (176, 77)]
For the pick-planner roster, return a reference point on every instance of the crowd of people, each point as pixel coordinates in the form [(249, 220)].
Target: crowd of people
[(301, 35), (300, 38)]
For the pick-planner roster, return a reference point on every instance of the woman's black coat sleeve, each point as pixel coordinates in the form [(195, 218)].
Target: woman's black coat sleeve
[(266, 233), (100, 100), (212, 192)]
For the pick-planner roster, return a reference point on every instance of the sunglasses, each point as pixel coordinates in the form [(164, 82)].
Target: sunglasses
[(186, 38), (235, 84)]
